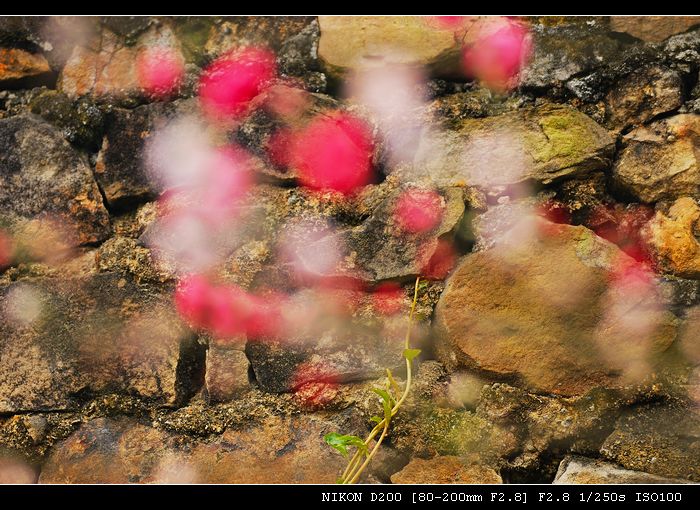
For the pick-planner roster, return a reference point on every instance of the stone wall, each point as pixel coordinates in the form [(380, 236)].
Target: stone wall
[(559, 312)]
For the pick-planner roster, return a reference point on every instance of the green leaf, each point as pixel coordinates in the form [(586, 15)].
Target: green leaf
[(341, 442), (340, 481), (387, 402), (422, 285), (375, 419), (409, 354), (386, 397)]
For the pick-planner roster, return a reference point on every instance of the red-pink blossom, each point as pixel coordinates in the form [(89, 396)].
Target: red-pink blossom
[(227, 310), (497, 57), (192, 299), (232, 81), (279, 148), (209, 307), (334, 153), (159, 70), (388, 298), (441, 262), (447, 22), (623, 226), (418, 210), (217, 193), (631, 274)]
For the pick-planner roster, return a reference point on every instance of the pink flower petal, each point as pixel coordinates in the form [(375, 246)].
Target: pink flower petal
[(497, 57), (419, 210), (231, 82), (160, 70), (334, 153), (387, 298)]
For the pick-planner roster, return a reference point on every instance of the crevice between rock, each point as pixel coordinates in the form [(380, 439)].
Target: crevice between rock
[(191, 369)]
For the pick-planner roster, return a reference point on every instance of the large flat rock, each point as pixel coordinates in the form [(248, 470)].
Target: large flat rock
[(357, 42), (536, 308), (63, 338), (537, 144), (653, 28), (445, 470)]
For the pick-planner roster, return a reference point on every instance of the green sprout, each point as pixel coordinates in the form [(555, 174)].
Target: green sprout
[(392, 398)]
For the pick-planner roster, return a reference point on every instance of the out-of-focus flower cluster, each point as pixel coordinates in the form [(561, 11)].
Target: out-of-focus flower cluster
[(500, 49), (207, 183)]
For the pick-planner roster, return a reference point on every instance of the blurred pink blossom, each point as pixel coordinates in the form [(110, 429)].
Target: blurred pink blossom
[(441, 262), (160, 71), (496, 158), (208, 307), (200, 212), (229, 179), (174, 470), (227, 311), (24, 304), (185, 239), (13, 470), (387, 298), (447, 22), (633, 314), (392, 94), (497, 56), (419, 210), (177, 155), (632, 276), (232, 81), (334, 153), (313, 250)]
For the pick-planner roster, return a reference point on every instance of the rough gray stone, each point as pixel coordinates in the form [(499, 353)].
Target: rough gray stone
[(660, 161), (63, 338), (567, 50), (43, 178), (657, 439)]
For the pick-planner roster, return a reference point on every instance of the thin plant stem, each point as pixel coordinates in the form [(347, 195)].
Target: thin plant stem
[(369, 457), (354, 469)]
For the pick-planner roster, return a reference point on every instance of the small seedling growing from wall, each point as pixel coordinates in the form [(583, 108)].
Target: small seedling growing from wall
[(392, 397)]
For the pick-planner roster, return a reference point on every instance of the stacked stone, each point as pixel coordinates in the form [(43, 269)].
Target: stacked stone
[(523, 368)]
